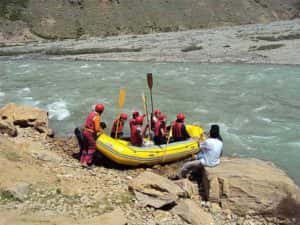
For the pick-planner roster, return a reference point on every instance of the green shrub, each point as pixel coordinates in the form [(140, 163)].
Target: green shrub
[(6, 196), (13, 9)]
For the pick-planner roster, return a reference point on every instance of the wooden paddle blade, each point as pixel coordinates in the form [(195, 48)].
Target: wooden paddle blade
[(144, 98), (122, 97), (150, 80)]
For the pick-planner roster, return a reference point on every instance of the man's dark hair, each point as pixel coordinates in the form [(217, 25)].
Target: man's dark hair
[(215, 132)]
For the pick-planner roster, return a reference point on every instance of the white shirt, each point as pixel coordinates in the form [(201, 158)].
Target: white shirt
[(210, 153)]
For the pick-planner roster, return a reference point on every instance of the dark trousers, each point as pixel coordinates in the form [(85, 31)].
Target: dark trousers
[(89, 147), (158, 140)]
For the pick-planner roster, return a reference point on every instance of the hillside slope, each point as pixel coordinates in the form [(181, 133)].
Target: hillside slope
[(74, 18)]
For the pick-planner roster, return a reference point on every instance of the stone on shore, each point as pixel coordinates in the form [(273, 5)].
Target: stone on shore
[(19, 191), (192, 213), (252, 186), (153, 190), (23, 116), (7, 127), (190, 188)]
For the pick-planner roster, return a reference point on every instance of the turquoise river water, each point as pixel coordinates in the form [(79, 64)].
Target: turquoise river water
[(256, 106)]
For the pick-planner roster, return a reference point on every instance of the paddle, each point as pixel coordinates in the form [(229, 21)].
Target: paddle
[(146, 109), (121, 104), (150, 84), (168, 141)]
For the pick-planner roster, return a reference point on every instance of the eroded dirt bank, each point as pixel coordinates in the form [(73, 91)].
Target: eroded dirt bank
[(28, 20)]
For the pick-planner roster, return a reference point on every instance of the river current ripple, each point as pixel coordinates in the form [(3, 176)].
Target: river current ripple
[(256, 106)]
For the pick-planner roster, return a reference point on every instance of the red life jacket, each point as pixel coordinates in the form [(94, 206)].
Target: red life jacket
[(131, 122), (154, 120), (135, 138), (89, 122), (157, 128), (177, 129), (115, 125)]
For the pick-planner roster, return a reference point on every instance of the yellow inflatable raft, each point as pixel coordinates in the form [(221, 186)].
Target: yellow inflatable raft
[(122, 152)]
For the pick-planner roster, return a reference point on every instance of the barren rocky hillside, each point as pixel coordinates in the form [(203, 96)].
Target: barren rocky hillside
[(20, 19)]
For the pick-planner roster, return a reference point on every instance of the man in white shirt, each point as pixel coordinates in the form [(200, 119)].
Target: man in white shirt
[(209, 155)]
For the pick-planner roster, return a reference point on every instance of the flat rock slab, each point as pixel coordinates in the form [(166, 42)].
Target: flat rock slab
[(192, 213), (154, 190)]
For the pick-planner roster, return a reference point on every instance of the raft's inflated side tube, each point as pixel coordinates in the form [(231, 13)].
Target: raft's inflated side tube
[(123, 152)]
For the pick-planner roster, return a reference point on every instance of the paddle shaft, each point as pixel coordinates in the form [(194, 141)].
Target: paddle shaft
[(151, 102), (150, 84), (168, 141), (121, 103), (146, 109)]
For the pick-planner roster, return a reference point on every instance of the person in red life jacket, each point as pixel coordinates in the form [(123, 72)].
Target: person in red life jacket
[(160, 130), (118, 126), (137, 132), (135, 114), (92, 129), (179, 132), (154, 118)]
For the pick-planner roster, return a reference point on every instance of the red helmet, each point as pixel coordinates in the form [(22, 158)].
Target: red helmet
[(157, 112), (135, 114), (139, 120), (180, 116), (162, 117), (99, 108), (123, 116)]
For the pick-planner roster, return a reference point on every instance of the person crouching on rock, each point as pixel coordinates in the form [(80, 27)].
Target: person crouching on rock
[(92, 130), (209, 154), (118, 126), (137, 132)]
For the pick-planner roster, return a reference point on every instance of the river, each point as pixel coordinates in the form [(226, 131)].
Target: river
[(256, 106)]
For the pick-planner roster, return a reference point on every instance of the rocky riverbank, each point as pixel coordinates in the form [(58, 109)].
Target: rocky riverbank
[(41, 181), (276, 43)]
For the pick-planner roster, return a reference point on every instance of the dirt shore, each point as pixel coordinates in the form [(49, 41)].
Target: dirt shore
[(275, 43)]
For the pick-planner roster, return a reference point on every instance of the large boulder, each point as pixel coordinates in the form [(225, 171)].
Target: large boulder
[(252, 186), (24, 116), (153, 190)]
